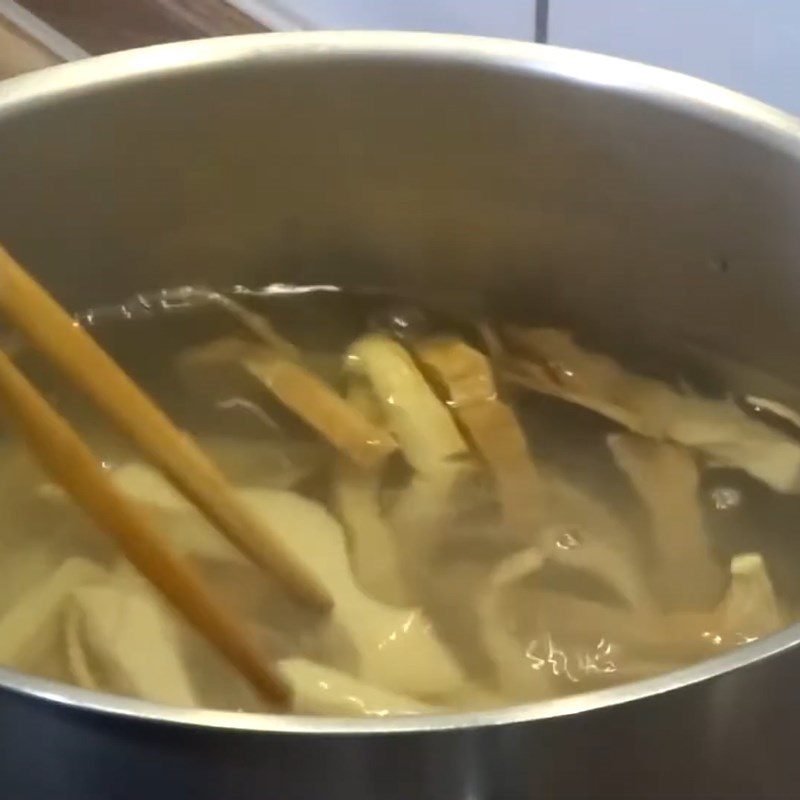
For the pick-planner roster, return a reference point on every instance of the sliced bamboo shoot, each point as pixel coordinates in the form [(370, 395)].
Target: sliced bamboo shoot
[(586, 536), (185, 530), (318, 689), (307, 395), (398, 647), (549, 361), (35, 620), (750, 608), (373, 546), (429, 440), (668, 636), (465, 374), (421, 423), (121, 639), (518, 676), (686, 573)]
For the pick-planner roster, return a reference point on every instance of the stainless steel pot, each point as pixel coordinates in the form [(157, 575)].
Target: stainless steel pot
[(550, 182)]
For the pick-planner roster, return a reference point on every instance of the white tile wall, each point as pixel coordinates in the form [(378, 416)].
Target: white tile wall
[(749, 45), (509, 18)]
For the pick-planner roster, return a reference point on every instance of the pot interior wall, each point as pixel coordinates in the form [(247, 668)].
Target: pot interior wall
[(546, 197)]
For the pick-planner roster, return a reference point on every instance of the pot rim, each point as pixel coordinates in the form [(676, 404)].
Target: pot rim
[(675, 91)]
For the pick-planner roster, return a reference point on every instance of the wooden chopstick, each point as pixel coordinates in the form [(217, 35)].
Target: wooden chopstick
[(73, 466), (68, 346)]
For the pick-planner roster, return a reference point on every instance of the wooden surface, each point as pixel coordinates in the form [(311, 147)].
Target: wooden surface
[(102, 26), (18, 53)]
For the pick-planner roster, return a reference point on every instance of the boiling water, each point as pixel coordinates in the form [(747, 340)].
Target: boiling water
[(479, 607)]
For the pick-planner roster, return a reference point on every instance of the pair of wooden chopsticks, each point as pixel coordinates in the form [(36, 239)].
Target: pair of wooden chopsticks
[(71, 464)]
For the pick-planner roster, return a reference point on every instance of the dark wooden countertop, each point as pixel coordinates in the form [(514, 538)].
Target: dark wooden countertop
[(19, 53), (102, 26)]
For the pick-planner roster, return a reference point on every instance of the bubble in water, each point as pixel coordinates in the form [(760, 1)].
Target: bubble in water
[(567, 537), (401, 321), (726, 498)]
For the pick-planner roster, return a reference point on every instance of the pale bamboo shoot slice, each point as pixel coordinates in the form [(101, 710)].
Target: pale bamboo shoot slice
[(398, 647), (518, 676), (686, 573), (374, 552), (121, 639), (318, 689), (380, 633), (373, 543), (682, 637), (429, 440), (421, 423), (750, 608), (586, 536), (182, 526), (36, 618)]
